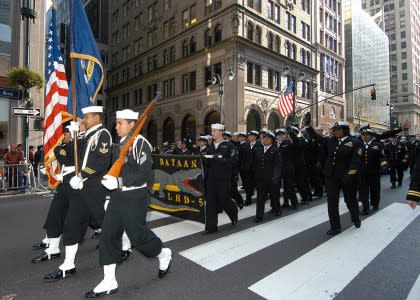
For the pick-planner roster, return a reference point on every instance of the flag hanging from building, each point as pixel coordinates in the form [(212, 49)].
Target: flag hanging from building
[(56, 92), (87, 60), (285, 105)]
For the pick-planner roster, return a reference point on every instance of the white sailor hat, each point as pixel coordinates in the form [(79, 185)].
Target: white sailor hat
[(269, 134), (209, 137), (341, 124), (319, 128), (92, 109), (236, 133), (280, 131), (366, 130), (254, 132), (218, 126), (203, 138), (242, 134), (228, 133), (127, 114), (294, 128)]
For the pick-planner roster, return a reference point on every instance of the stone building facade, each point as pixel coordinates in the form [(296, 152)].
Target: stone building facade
[(176, 47)]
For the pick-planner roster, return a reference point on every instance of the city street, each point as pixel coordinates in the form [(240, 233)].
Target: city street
[(287, 257)]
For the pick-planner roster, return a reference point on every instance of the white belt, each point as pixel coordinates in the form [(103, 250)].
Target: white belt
[(67, 170), (130, 188)]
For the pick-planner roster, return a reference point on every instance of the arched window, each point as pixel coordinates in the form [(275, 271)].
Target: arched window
[(211, 118), (207, 38), (250, 31), (273, 122), (218, 33), (302, 56), (185, 48), (332, 113), (168, 131), (173, 54), (258, 35), (165, 56), (277, 44), (253, 121), (193, 45), (188, 127), (308, 58), (287, 49), (293, 54), (152, 132), (270, 40)]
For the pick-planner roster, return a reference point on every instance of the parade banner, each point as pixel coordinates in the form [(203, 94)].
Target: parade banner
[(177, 187)]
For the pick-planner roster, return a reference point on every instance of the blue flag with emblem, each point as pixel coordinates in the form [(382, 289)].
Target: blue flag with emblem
[(88, 71)]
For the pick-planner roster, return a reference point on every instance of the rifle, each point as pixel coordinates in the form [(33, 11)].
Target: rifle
[(128, 142)]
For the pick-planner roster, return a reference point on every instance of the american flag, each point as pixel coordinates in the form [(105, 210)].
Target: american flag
[(285, 105), (56, 92)]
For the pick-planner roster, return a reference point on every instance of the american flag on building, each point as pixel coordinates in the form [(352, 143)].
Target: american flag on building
[(56, 93), (285, 105)]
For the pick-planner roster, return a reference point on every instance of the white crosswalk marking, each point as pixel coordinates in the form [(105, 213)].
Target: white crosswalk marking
[(223, 251), (415, 291), (184, 228), (323, 272)]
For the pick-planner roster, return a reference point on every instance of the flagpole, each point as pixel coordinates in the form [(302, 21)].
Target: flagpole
[(74, 109)]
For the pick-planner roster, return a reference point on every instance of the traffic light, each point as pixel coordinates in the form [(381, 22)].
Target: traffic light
[(373, 94)]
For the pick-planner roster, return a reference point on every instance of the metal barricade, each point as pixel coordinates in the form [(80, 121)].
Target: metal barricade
[(41, 178), (17, 177)]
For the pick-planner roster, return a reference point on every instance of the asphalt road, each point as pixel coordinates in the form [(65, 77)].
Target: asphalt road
[(366, 264)]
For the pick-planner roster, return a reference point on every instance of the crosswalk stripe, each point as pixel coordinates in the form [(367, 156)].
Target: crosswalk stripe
[(415, 290), (155, 215), (324, 272), (184, 228), (223, 251)]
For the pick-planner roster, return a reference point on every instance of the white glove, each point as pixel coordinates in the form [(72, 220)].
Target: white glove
[(208, 155), (110, 182), (73, 127), (76, 182), (59, 177)]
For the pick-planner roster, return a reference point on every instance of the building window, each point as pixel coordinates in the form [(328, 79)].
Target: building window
[(402, 34), (173, 54), (166, 30), (303, 56), (404, 76), (287, 49), (250, 31), (308, 58), (403, 45), (207, 76), (172, 26), (258, 35), (185, 18), (277, 44), (193, 14), (270, 40), (212, 6), (218, 33), (185, 48), (277, 13), (270, 9), (404, 66), (167, 4), (193, 76), (250, 73), (207, 38), (192, 45), (403, 55), (165, 88), (155, 62), (150, 13), (149, 64)]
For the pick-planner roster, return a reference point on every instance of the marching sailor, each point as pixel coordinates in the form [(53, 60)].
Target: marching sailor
[(88, 201), (128, 208)]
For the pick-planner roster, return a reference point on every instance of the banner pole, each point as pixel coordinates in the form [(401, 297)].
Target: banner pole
[(74, 110)]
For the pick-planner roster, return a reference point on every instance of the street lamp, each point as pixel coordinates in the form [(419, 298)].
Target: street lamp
[(215, 78), (391, 121), (286, 71)]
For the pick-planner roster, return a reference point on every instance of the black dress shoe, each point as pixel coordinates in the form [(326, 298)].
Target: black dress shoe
[(285, 205), (364, 212), (44, 257), (393, 186), (248, 203), (399, 183), (162, 273), (59, 274), (304, 202), (240, 205), (92, 294), (40, 246), (333, 231), (257, 220), (210, 231), (375, 207), (295, 206), (234, 220), (124, 255), (277, 213), (96, 235), (357, 223)]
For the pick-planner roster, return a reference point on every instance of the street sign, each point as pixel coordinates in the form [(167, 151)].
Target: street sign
[(10, 93), (21, 111)]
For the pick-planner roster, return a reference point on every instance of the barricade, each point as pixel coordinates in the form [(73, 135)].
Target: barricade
[(17, 177)]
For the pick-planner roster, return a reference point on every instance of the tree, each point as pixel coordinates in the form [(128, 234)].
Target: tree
[(25, 79)]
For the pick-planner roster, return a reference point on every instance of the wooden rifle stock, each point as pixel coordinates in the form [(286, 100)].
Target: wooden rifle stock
[(119, 163)]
